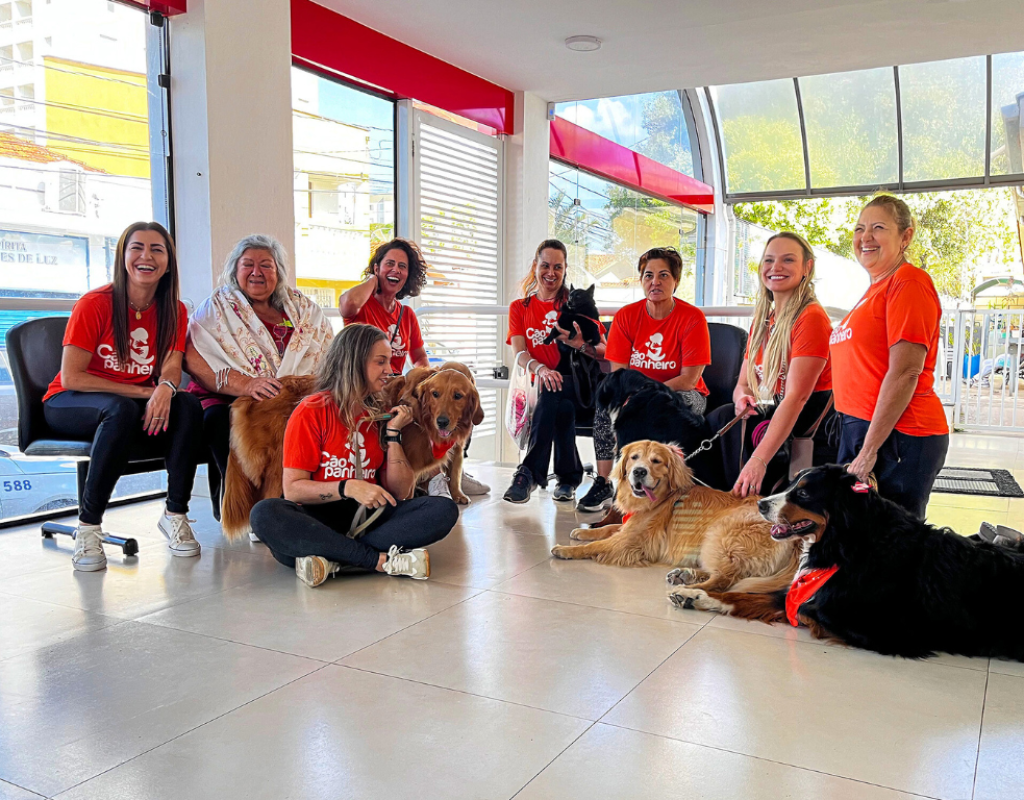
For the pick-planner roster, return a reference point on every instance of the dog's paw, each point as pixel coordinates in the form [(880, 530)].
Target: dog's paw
[(460, 498), (681, 576), (691, 598), (560, 551)]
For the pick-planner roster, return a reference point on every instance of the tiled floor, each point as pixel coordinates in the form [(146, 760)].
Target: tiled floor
[(508, 674)]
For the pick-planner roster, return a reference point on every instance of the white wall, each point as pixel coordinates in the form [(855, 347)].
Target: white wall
[(232, 129)]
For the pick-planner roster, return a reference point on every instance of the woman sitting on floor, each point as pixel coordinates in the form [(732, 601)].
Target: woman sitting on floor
[(346, 476), (251, 331), (118, 385), (785, 380)]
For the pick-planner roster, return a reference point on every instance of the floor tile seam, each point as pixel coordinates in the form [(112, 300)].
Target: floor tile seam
[(143, 621), (24, 789), (699, 626), (465, 692), (477, 593), (195, 728), (766, 759), (981, 730), (557, 756)]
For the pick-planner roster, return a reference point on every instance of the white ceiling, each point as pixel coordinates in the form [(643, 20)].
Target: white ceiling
[(653, 45)]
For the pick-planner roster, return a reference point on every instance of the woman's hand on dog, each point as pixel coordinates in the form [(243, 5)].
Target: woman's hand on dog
[(751, 476), (400, 417), (863, 464), (263, 388), (367, 494), (575, 341), (550, 379)]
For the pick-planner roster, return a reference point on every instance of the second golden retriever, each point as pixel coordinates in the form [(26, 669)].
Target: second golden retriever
[(716, 540)]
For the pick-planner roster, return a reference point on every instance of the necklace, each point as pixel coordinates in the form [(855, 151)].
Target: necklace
[(138, 311)]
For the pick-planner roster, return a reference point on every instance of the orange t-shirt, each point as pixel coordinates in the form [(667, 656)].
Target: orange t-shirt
[(903, 307), (91, 328), (534, 322), (809, 337), (405, 341), (317, 441), (660, 348)]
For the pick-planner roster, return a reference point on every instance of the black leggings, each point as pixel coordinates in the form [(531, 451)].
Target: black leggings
[(735, 447), (292, 531), (553, 424), (217, 435), (114, 423)]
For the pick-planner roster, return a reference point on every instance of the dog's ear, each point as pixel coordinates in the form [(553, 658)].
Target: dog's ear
[(473, 411), (619, 468), (680, 477)]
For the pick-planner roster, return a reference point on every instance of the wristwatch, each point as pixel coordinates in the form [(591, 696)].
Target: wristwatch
[(392, 437)]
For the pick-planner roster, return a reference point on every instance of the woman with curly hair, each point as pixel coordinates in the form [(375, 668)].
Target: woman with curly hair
[(396, 271)]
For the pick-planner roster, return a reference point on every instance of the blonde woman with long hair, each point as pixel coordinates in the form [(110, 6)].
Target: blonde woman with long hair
[(785, 381), (343, 459)]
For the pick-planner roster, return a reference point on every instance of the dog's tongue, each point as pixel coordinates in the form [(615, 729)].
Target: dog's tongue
[(778, 530), (650, 494), (445, 434)]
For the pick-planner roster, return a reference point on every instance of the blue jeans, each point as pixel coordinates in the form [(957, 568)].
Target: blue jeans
[(907, 466)]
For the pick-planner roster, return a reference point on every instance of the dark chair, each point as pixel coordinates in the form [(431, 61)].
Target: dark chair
[(728, 346), (34, 351)]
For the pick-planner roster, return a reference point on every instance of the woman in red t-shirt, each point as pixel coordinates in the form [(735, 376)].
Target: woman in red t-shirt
[(341, 466), (118, 386), (553, 424), (785, 383), (883, 360)]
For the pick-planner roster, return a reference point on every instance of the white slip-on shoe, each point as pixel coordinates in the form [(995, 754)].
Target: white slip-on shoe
[(89, 555), (438, 486), (180, 539), (314, 570), (472, 486), (413, 564), (252, 536)]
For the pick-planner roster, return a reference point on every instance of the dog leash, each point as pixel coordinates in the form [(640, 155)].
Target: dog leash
[(706, 444)]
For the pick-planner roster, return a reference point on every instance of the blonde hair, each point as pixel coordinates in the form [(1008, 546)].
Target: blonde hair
[(529, 283), (342, 372), (895, 208), (776, 340)]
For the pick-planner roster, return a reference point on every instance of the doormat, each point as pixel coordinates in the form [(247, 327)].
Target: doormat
[(967, 480)]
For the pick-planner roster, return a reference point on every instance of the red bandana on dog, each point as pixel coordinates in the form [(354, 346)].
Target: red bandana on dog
[(441, 450), (805, 585)]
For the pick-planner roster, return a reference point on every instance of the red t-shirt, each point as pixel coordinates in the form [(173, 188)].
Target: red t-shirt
[(809, 337), (317, 441), (903, 307), (534, 322), (405, 341), (660, 348), (91, 328)]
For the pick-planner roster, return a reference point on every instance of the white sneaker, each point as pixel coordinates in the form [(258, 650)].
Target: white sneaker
[(89, 555), (438, 486), (252, 536), (314, 570), (472, 486), (181, 540), (414, 564)]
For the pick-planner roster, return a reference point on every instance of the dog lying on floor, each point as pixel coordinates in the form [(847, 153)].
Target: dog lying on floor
[(445, 406), (718, 541), (874, 576)]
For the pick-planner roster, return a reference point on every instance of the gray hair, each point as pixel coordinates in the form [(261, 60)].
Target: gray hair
[(259, 241)]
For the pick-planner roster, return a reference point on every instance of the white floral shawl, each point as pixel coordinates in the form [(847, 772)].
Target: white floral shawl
[(228, 335)]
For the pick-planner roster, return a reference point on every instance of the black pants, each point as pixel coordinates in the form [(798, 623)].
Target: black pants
[(217, 434), (292, 531), (907, 466), (737, 444), (554, 425), (114, 424)]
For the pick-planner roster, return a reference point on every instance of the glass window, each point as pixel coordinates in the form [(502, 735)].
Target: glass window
[(606, 228), (652, 124), (74, 172), (851, 128), (1007, 108), (943, 110), (761, 142), (344, 142)]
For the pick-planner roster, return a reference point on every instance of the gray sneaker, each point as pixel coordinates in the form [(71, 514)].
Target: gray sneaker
[(89, 555), (472, 486), (413, 564)]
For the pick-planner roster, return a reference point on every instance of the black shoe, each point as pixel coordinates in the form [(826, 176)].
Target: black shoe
[(599, 497), (522, 487), (563, 492)]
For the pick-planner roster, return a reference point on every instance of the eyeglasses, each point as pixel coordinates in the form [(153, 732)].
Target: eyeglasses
[(280, 333)]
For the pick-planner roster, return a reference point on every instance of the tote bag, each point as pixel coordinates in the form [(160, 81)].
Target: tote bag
[(522, 399)]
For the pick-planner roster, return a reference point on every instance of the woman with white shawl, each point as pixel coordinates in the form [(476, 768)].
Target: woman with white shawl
[(251, 331)]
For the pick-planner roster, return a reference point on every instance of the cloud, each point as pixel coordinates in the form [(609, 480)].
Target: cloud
[(609, 117)]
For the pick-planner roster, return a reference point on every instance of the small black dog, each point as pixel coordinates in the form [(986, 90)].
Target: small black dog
[(581, 309), (643, 408), (899, 586)]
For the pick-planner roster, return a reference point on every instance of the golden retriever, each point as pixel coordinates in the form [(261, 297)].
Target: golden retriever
[(718, 541), (445, 406)]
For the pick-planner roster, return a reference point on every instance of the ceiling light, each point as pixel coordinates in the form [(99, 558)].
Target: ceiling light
[(583, 44)]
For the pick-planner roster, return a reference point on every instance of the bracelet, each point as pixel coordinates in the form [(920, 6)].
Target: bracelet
[(761, 460), (222, 377), (341, 489), (174, 389)]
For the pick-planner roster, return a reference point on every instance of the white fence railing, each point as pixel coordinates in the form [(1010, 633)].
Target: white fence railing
[(982, 374)]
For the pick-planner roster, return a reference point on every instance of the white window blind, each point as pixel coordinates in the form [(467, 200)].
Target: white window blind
[(458, 192)]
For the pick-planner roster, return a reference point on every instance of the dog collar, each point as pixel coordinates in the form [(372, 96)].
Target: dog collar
[(805, 585)]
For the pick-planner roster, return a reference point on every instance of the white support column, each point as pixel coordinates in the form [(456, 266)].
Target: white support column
[(232, 132)]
